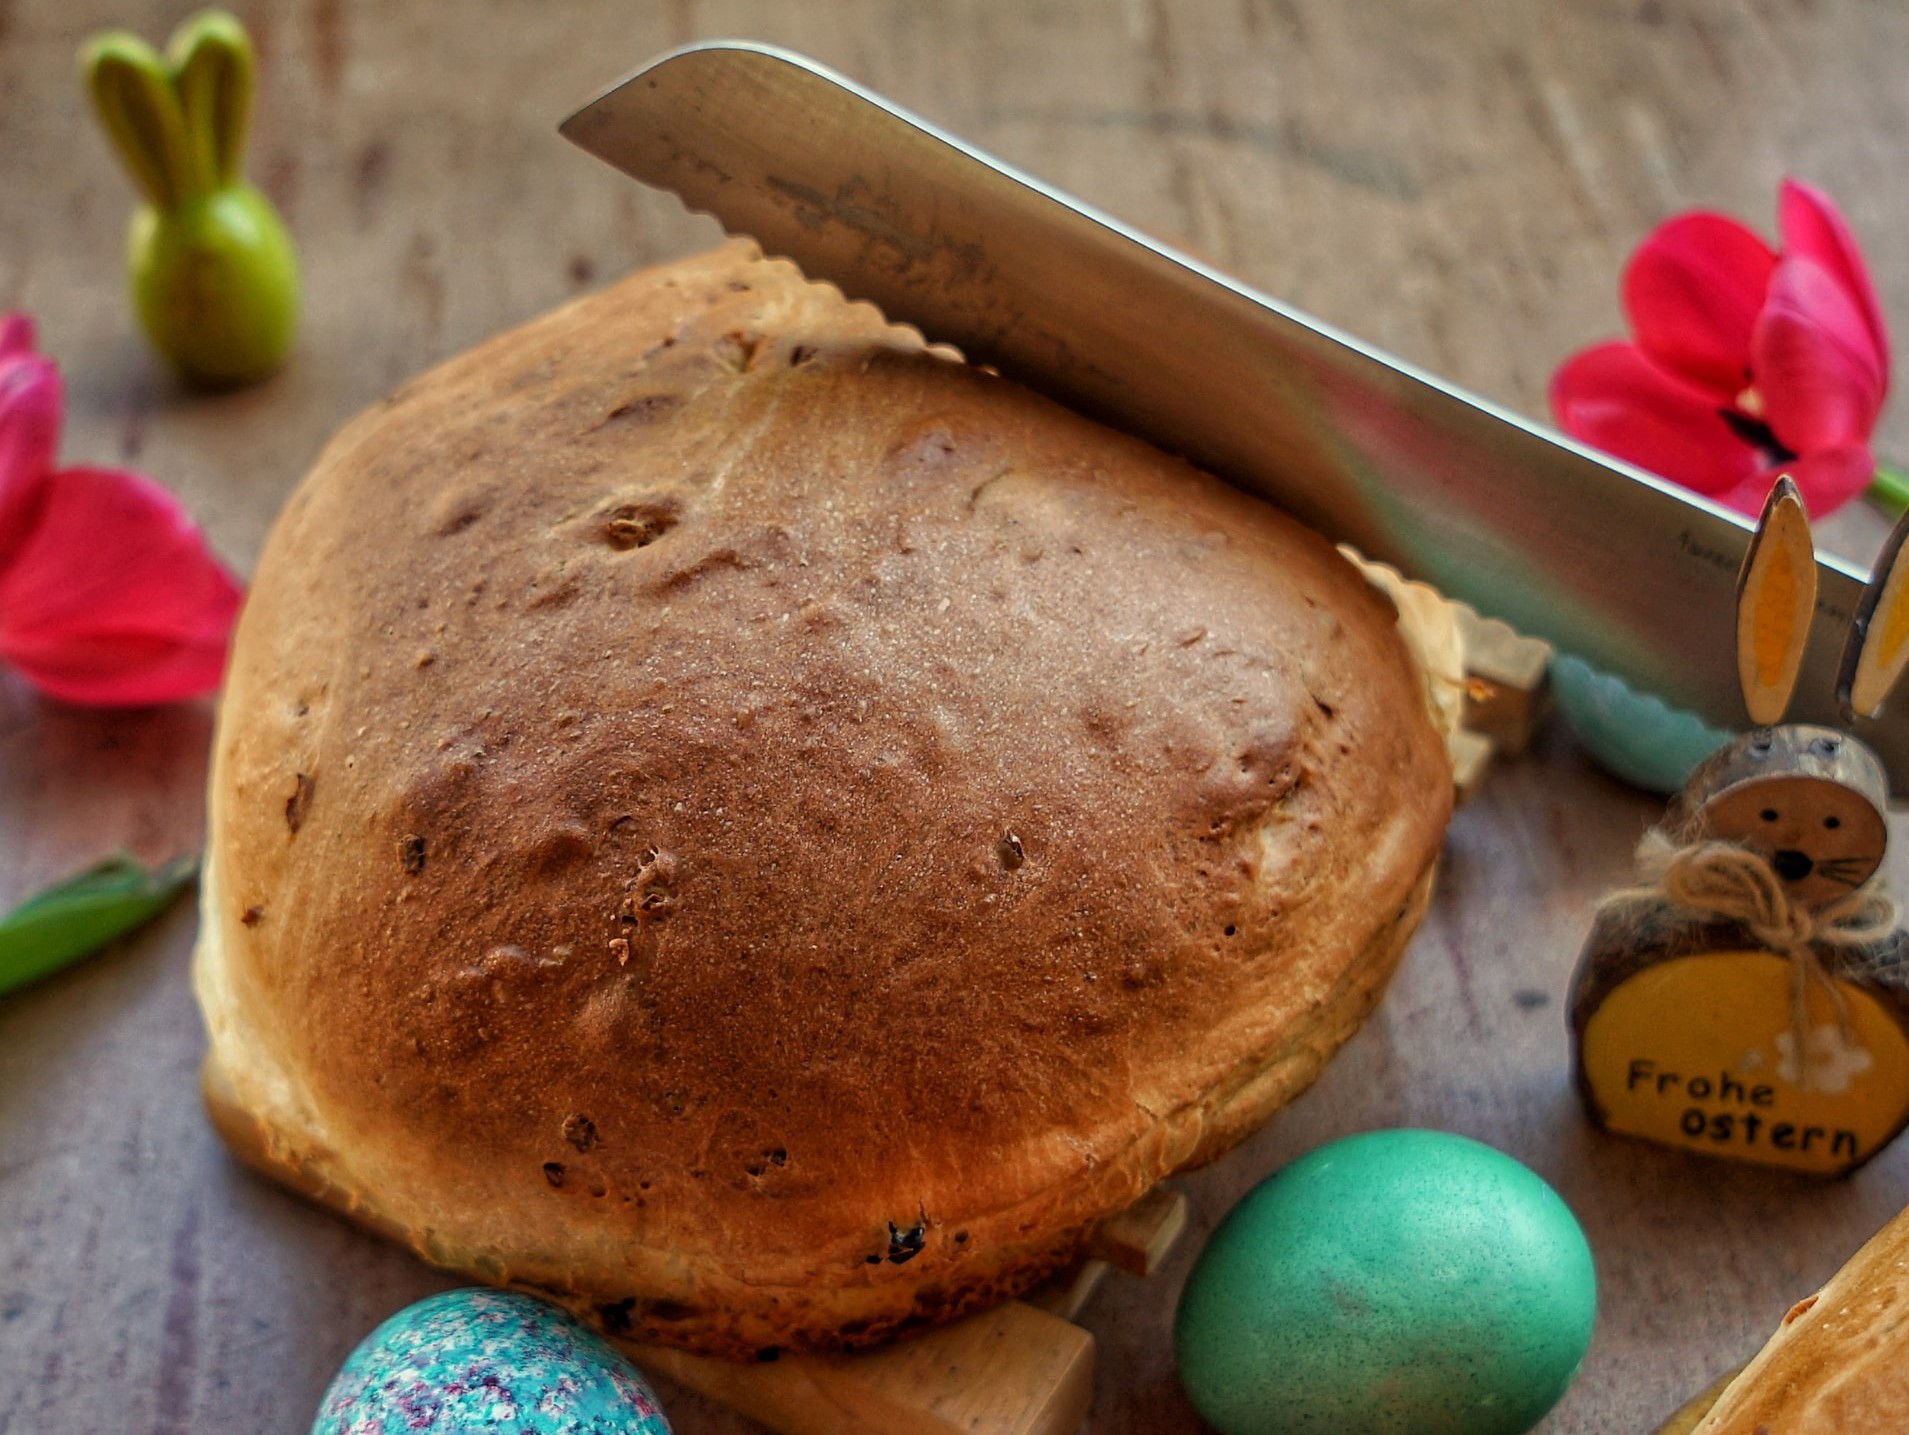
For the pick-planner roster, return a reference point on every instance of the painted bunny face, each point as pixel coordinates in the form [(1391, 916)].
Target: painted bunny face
[(1823, 839)]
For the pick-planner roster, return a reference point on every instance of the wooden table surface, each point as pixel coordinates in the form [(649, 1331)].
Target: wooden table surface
[(1456, 180)]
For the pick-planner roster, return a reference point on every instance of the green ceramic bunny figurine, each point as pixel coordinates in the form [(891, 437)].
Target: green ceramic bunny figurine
[(213, 274)]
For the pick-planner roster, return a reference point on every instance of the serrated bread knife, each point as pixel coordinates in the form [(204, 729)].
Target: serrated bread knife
[(1605, 561)]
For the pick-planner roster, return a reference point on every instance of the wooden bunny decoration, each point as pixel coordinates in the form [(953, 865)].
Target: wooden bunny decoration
[(1750, 997)]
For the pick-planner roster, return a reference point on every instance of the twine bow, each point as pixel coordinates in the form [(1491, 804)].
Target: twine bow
[(1723, 879)]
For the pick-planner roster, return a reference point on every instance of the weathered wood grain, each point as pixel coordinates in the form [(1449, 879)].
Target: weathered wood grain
[(1457, 180)]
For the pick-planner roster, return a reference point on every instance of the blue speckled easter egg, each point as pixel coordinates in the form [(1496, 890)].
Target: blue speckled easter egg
[(1395, 1283), (472, 1360)]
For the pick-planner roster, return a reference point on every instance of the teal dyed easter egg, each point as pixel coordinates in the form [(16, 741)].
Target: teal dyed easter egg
[(481, 1360), (1395, 1283)]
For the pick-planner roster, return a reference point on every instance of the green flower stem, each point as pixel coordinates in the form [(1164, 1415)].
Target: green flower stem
[(76, 917), (1889, 490)]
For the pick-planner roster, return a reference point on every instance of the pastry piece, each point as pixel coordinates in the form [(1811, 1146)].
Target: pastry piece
[(765, 833), (1840, 1361)]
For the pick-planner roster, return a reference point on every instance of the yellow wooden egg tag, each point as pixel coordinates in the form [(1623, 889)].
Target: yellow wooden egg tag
[(1700, 1052)]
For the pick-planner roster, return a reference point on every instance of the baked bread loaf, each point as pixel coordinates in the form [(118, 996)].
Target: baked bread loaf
[(1839, 1364), (765, 833)]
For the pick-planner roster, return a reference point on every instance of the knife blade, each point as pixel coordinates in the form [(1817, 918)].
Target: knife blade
[(1631, 573)]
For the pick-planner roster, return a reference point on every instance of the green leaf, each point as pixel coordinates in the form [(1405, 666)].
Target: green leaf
[(76, 917)]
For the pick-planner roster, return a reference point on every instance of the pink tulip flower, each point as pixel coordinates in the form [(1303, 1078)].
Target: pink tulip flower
[(1748, 362), (109, 595)]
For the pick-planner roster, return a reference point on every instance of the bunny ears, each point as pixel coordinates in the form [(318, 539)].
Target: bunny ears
[(212, 273), (1776, 599), (179, 121), (1878, 647)]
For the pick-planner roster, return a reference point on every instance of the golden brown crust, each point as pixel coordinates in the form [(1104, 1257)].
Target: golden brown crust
[(1839, 1362), (769, 833)]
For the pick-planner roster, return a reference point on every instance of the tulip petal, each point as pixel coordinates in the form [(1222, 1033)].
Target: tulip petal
[(1828, 479), (1831, 477), (115, 599), (16, 334), (1613, 398), (1692, 292), (1815, 369), (1814, 228), (31, 404)]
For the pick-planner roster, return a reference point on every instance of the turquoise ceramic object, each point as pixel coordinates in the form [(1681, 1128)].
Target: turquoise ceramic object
[(1632, 735), (484, 1360), (1395, 1283)]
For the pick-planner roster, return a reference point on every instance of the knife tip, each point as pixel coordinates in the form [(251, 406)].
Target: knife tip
[(734, 55)]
